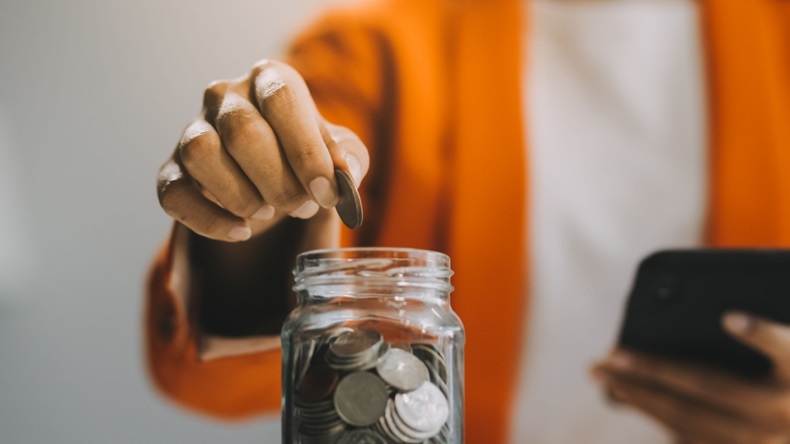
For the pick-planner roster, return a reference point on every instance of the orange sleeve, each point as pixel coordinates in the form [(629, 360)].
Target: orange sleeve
[(338, 65)]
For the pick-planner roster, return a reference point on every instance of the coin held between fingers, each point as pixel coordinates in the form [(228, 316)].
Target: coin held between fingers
[(349, 204)]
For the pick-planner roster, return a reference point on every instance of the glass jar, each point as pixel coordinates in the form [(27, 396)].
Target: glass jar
[(372, 353)]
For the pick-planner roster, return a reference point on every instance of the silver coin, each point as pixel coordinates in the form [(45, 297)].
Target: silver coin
[(360, 398), (402, 370), (356, 350), (388, 424), (354, 343), (362, 436), (414, 436), (424, 410), (402, 345), (432, 358)]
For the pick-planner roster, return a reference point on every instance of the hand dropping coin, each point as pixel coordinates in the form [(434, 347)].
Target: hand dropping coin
[(349, 205)]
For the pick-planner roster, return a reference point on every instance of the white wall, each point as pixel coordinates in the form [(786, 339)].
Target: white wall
[(93, 96)]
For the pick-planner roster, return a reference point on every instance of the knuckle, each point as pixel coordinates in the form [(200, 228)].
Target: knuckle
[(275, 94), (264, 64), (169, 197), (238, 127), (214, 92), (305, 157), (275, 84), (194, 150), (287, 197), (273, 67)]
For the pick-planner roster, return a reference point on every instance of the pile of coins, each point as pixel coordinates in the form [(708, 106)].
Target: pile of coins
[(359, 389)]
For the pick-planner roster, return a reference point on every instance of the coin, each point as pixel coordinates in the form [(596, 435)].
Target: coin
[(318, 382), (388, 426), (360, 398), (349, 205), (402, 346), (402, 370), (353, 343), (423, 410), (353, 387), (356, 350), (318, 422), (432, 358)]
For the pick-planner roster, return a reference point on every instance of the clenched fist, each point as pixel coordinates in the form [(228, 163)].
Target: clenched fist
[(259, 151)]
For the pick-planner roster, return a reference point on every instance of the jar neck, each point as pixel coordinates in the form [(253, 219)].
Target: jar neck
[(358, 273)]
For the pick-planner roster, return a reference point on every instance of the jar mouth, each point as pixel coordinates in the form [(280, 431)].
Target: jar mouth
[(373, 267)]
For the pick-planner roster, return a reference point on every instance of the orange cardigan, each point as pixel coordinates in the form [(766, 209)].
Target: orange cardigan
[(434, 89)]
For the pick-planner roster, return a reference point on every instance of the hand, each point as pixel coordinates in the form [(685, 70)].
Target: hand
[(259, 151), (702, 405)]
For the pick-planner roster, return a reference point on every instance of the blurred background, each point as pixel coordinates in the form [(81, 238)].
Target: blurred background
[(93, 96)]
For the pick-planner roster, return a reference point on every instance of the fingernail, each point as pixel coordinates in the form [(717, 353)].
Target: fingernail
[(324, 192), (307, 210), (354, 168), (738, 323), (240, 233), (266, 212)]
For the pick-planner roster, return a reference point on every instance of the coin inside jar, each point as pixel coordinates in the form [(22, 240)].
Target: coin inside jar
[(357, 387), (355, 350), (424, 410), (360, 398), (354, 342), (402, 370), (318, 383)]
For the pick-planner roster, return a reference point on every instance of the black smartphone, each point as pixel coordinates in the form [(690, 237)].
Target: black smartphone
[(678, 298)]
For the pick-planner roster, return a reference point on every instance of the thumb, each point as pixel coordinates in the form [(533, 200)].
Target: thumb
[(346, 150), (768, 337)]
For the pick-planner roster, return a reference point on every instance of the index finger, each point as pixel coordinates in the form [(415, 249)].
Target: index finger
[(285, 102), (768, 337)]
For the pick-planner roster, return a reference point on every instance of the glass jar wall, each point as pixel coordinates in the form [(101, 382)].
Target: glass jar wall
[(372, 353)]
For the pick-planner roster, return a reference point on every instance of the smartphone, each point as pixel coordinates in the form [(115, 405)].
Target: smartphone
[(676, 303)]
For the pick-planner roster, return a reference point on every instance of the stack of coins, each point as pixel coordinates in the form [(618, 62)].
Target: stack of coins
[(356, 350), (360, 389), (415, 416), (319, 423)]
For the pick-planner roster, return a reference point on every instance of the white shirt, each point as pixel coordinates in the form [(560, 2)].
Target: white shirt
[(616, 131)]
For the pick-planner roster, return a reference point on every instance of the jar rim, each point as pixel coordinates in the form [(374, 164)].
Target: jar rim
[(411, 251), (373, 266)]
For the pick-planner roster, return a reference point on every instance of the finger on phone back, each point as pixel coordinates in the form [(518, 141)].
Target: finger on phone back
[(770, 338)]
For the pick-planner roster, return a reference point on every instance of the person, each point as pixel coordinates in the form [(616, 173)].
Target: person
[(546, 146)]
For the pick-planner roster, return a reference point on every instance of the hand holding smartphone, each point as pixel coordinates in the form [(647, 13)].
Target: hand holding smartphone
[(678, 298)]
